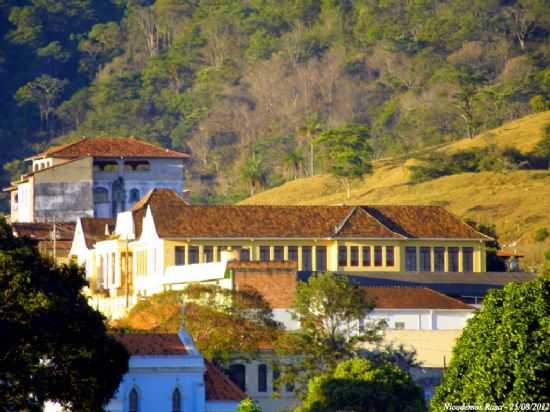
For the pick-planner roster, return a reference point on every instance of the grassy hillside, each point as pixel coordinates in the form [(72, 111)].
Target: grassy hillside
[(517, 202)]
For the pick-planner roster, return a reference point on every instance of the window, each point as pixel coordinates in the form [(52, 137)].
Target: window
[(101, 195), (109, 166), (467, 259), (134, 195), (289, 387), (321, 258), (237, 373), (366, 255), (342, 256), (439, 259), (293, 253), (278, 253), (176, 400), (276, 376), (208, 253), (378, 256), (453, 259), (193, 254), (133, 401), (410, 259), (262, 378), (244, 254), (399, 325), (137, 166), (306, 258), (390, 256), (264, 253), (179, 253), (425, 259), (354, 256)]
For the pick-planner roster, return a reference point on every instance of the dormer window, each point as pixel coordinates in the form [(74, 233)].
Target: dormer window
[(137, 166)]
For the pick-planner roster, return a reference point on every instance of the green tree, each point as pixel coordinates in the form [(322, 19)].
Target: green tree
[(332, 313), (53, 345), (360, 385), (253, 173), (502, 355), (248, 405), (349, 153), (541, 235), (545, 268)]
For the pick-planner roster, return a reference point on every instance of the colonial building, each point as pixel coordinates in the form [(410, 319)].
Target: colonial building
[(93, 178), (167, 373)]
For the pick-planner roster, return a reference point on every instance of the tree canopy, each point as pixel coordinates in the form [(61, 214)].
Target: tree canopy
[(332, 313), (53, 345), (502, 356), (360, 385)]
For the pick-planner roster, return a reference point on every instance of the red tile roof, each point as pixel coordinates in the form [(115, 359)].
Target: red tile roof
[(109, 147), (219, 387), (95, 229), (43, 231), (150, 344), (402, 297), (244, 221)]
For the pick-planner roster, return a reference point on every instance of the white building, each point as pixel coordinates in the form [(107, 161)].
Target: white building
[(166, 373), (93, 178)]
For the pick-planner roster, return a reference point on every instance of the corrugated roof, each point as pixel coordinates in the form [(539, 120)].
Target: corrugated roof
[(403, 297), (109, 147), (244, 221), (151, 344), (219, 387)]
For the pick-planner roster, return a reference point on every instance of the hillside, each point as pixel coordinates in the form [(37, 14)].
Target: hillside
[(517, 202)]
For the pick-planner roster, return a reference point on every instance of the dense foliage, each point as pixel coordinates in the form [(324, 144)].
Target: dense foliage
[(502, 356), (222, 322), (360, 385), (53, 345), (332, 313), (233, 80)]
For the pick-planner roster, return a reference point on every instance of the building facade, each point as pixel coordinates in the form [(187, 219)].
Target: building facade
[(93, 178)]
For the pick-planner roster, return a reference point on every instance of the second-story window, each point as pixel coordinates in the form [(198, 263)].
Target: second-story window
[(179, 255), (467, 259), (425, 259), (306, 258), (342, 255), (193, 254), (134, 195), (208, 252), (278, 253), (410, 259), (390, 256), (453, 259), (354, 256), (439, 259), (366, 255), (378, 256), (321, 258), (264, 253), (244, 254), (137, 166), (262, 378), (293, 253)]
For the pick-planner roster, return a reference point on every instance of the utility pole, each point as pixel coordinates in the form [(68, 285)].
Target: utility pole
[(127, 275), (54, 235)]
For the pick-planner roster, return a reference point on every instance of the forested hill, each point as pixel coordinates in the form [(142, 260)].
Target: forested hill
[(245, 85)]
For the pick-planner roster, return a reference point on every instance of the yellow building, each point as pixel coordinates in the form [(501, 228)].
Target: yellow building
[(170, 243)]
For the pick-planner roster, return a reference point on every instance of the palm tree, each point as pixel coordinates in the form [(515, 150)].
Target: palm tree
[(307, 133), (253, 172)]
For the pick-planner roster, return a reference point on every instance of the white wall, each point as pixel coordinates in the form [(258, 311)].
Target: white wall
[(24, 202), (423, 319)]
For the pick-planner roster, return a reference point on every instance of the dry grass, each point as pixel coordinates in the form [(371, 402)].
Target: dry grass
[(518, 202)]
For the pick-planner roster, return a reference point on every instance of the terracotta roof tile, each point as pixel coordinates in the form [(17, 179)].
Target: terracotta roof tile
[(399, 297), (42, 231), (244, 221), (95, 229), (109, 147), (150, 344), (219, 387)]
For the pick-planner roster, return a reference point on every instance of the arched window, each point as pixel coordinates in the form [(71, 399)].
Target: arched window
[(176, 400), (237, 373), (134, 195), (262, 378), (133, 401), (101, 195)]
